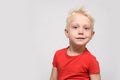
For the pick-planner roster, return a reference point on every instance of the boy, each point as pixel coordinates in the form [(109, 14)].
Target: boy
[(75, 62)]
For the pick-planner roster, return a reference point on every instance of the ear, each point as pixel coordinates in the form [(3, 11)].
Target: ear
[(93, 33), (66, 32)]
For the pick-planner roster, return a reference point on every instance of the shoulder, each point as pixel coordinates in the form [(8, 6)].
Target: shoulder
[(60, 51), (89, 55)]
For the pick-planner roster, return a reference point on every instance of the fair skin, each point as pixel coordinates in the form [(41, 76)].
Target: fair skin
[(54, 74), (79, 34)]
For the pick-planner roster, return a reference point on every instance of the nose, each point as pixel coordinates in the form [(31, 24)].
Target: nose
[(80, 32)]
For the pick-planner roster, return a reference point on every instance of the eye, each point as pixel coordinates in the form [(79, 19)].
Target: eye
[(74, 27), (87, 28)]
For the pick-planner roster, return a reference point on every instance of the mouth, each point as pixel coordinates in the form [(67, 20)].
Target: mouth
[(80, 38)]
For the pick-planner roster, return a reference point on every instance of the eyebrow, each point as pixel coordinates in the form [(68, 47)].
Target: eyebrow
[(79, 25)]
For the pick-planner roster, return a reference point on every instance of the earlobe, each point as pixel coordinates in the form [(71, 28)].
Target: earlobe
[(66, 33), (93, 32)]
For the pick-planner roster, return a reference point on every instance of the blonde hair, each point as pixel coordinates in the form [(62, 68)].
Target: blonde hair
[(82, 11)]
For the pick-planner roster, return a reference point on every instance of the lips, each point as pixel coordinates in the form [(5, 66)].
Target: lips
[(80, 38)]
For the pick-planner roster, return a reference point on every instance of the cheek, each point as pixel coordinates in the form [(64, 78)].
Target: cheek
[(73, 32), (70, 35), (89, 34)]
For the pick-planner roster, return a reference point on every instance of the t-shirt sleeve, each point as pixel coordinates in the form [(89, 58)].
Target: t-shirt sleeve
[(94, 67)]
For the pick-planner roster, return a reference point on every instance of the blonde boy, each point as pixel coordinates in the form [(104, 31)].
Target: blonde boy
[(75, 62)]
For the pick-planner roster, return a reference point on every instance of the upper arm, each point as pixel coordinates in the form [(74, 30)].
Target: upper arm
[(54, 74), (95, 76)]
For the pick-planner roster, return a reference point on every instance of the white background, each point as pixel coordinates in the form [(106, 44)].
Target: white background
[(32, 30)]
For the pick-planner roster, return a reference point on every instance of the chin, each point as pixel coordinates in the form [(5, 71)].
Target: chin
[(80, 44)]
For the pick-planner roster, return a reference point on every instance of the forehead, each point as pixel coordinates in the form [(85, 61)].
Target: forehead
[(79, 18)]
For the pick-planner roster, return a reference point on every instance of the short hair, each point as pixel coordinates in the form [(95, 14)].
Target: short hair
[(82, 11)]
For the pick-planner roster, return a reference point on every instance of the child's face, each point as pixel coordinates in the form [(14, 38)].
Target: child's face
[(80, 30)]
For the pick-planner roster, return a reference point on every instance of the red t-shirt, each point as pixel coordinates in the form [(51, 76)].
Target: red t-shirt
[(75, 67)]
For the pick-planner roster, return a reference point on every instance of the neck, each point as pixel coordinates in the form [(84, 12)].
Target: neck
[(76, 49)]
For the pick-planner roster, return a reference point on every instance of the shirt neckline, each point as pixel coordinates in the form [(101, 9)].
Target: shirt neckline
[(66, 53)]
